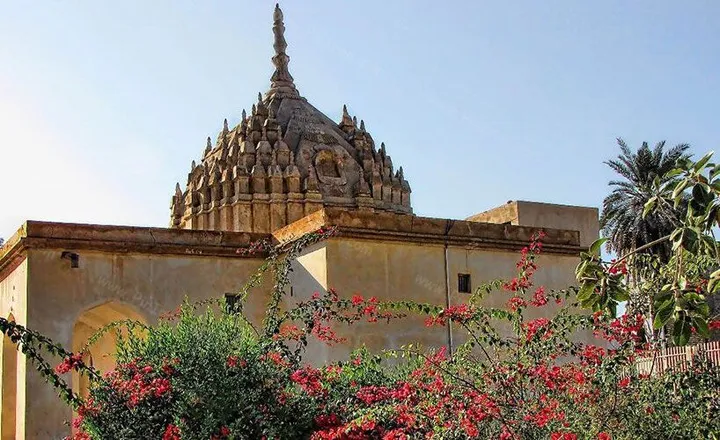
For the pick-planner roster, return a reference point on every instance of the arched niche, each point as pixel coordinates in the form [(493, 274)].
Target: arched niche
[(101, 354), (9, 387)]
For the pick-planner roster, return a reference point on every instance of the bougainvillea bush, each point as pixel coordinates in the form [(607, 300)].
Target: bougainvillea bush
[(207, 372)]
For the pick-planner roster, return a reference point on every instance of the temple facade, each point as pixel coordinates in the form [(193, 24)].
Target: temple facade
[(286, 169)]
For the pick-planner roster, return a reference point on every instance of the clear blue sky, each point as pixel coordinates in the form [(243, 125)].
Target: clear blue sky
[(103, 105)]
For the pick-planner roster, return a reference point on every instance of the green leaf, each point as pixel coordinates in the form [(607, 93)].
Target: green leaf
[(591, 302), (715, 274), (649, 205), (674, 172), (664, 313), (680, 188), (586, 291), (715, 171), (681, 331), (597, 244), (663, 296), (701, 163), (701, 326), (619, 294)]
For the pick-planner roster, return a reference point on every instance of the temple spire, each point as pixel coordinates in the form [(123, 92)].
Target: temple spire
[(281, 80)]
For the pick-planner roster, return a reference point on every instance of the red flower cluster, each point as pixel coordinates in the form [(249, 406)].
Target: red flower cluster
[(540, 325), (526, 265), (617, 267), (539, 297), (461, 313), (276, 358), (620, 330), (515, 303), (72, 362), (309, 379), (223, 433), (592, 354), (172, 432), (235, 361), (137, 384)]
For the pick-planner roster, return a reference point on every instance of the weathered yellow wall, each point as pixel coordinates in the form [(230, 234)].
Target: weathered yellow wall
[(309, 273), (575, 218), (149, 284), (407, 271), (390, 272), (546, 215), (13, 300)]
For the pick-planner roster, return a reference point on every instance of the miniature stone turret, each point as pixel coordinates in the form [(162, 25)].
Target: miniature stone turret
[(285, 160)]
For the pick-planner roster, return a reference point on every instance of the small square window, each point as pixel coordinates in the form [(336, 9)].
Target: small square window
[(464, 283), (232, 303)]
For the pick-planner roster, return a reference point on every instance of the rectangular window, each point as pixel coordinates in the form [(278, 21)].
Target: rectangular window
[(232, 303), (464, 283)]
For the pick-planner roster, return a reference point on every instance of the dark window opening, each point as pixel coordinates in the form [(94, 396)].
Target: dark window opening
[(233, 303), (464, 283)]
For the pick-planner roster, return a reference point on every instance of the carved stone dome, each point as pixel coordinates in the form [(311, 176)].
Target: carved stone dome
[(285, 160)]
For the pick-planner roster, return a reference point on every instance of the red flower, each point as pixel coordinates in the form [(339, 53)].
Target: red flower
[(515, 303), (539, 297), (232, 361), (72, 362), (603, 436), (533, 327), (172, 432)]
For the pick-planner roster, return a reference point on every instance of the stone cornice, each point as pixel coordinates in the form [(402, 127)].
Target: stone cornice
[(125, 239), (384, 226)]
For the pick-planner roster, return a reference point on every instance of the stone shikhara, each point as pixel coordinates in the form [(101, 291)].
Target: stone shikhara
[(286, 160)]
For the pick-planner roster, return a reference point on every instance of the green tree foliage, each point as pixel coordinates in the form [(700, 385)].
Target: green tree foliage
[(679, 286), (622, 219)]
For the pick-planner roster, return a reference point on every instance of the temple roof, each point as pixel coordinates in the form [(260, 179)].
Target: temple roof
[(285, 146)]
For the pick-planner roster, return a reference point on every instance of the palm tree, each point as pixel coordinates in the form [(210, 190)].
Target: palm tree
[(622, 218)]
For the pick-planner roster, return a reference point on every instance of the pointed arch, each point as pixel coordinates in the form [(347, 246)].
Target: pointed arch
[(100, 354)]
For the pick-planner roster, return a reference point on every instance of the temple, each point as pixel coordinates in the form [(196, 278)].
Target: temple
[(285, 170)]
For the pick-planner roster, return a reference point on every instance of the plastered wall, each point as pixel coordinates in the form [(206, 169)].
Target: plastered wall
[(148, 284)]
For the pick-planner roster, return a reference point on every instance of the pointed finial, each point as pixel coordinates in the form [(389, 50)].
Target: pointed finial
[(178, 191), (193, 165), (244, 115), (260, 98), (281, 78), (208, 147), (382, 147), (225, 126), (346, 120), (362, 125)]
